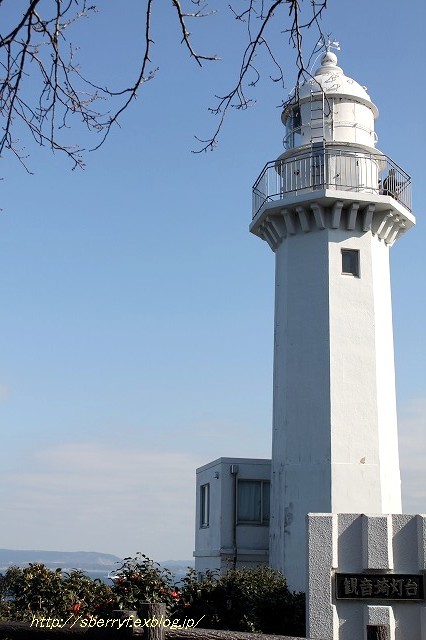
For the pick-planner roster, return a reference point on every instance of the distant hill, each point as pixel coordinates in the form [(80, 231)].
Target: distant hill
[(92, 562)]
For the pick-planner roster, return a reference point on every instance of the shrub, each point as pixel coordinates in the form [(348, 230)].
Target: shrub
[(246, 599), (38, 591), (87, 596), (140, 580), (199, 599)]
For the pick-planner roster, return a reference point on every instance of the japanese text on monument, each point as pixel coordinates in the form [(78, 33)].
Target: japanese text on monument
[(379, 586)]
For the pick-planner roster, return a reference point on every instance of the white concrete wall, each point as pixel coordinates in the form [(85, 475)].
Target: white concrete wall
[(214, 545), (357, 543), (365, 463), (386, 395), (335, 443), (301, 445), (208, 539)]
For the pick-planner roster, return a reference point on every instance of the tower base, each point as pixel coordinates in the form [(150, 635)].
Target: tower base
[(366, 576)]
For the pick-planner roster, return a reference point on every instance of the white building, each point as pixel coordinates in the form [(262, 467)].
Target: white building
[(330, 207), (232, 514)]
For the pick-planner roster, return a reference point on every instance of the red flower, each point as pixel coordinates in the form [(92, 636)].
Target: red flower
[(76, 607), (175, 594)]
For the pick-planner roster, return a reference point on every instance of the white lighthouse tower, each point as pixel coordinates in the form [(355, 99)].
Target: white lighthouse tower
[(330, 208)]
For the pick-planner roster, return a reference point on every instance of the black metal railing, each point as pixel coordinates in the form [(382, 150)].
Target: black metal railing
[(330, 168)]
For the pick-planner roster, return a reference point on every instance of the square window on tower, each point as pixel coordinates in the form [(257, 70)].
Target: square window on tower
[(350, 262)]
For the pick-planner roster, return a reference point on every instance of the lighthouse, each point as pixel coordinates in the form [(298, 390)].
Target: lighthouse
[(330, 208)]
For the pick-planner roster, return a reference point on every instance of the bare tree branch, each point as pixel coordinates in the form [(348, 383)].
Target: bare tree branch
[(186, 35), (264, 15), (36, 50), (131, 92)]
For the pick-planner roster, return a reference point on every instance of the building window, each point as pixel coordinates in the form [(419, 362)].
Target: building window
[(293, 128), (253, 501), (350, 262), (204, 505)]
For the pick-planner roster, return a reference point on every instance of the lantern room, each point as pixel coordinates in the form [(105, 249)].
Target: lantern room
[(330, 107), (330, 150)]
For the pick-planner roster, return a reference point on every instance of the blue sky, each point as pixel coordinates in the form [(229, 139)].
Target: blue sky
[(137, 310)]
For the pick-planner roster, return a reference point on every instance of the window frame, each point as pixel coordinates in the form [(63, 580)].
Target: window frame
[(205, 505), (355, 273), (264, 517), (293, 127)]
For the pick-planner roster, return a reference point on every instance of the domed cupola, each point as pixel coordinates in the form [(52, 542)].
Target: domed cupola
[(330, 107)]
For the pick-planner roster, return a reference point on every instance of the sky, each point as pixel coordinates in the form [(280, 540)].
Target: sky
[(136, 316)]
